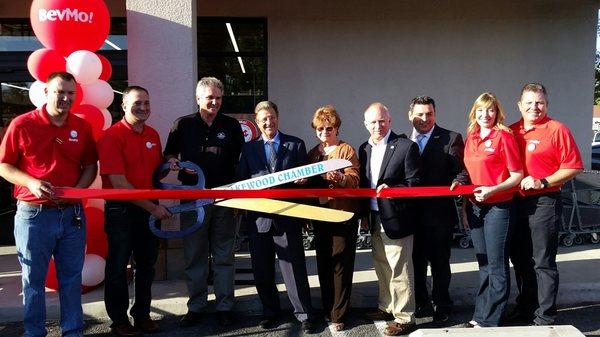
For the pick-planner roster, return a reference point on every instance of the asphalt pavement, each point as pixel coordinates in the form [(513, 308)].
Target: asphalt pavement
[(579, 300)]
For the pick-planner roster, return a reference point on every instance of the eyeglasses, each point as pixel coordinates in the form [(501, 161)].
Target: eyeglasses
[(328, 129)]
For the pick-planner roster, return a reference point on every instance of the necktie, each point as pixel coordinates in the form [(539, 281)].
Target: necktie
[(421, 142), (272, 155)]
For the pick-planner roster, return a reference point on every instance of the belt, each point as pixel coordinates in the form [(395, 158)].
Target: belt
[(54, 205)]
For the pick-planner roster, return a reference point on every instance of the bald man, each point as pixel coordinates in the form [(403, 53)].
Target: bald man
[(390, 160)]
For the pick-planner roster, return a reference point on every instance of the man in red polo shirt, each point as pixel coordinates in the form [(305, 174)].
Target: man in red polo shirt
[(550, 157), (129, 153), (42, 149)]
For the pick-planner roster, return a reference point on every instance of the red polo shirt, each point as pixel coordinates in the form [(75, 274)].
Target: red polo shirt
[(547, 147), (48, 152), (124, 151), (490, 160)]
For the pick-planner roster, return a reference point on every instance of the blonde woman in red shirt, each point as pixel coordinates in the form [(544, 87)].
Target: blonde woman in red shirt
[(493, 162)]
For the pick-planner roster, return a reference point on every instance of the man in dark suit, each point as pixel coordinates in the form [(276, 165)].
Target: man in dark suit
[(390, 160), (271, 234), (441, 165)]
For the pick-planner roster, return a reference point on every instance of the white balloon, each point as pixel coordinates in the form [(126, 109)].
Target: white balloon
[(84, 65), (98, 93), (107, 118), (37, 94), (93, 270)]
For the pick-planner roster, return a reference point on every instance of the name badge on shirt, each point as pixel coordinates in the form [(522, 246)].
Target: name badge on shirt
[(532, 144), (73, 136), (488, 146), (150, 145)]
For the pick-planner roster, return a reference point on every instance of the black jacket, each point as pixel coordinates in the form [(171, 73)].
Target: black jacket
[(400, 168)]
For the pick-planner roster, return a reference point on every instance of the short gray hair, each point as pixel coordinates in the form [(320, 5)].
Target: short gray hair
[(266, 105), (209, 82)]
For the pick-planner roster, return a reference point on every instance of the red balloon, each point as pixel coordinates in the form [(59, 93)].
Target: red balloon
[(95, 237), (106, 68), (93, 116), (70, 25), (42, 62), (51, 280)]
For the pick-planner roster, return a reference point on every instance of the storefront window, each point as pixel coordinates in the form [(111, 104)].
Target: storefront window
[(235, 51)]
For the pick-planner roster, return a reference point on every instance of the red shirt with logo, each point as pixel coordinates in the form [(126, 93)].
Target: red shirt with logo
[(124, 151), (489, 160), (56, 154), (547, 147)]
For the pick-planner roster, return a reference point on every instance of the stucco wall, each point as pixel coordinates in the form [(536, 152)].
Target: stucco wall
[(351, 53)]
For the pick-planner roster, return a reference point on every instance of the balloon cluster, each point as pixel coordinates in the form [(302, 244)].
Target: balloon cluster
[(71, 31)]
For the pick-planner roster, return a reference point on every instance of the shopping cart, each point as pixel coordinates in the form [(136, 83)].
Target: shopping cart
[(581, 209)]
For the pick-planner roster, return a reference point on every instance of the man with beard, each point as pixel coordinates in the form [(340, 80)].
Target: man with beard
[(441, 165)]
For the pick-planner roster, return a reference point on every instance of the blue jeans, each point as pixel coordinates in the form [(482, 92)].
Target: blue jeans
[(40, 233), (490, 225)]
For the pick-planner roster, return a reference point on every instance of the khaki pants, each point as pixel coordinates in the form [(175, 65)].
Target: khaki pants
[(394, 269)]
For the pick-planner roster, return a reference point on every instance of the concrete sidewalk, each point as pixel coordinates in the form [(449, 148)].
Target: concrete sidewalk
[(579, 268)]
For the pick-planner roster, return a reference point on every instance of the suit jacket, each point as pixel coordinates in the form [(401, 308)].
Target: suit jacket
[(254, 163), (441, 164), (400, 168)]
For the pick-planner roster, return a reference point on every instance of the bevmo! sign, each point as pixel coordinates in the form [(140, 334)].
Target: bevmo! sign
[(70, 25), (67, 14)]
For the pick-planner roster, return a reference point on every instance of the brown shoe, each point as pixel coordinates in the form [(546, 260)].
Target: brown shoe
[(125, 330), (399, 329), (147, 325), (379, 315)]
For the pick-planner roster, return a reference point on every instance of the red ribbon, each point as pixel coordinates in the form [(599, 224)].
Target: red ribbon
[(391, 192)]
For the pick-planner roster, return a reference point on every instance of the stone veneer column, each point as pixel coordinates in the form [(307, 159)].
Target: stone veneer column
[(162, 57)]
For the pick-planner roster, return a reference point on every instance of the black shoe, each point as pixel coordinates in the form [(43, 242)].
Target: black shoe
[(190, 319), (379, 315), (424, 311), (147, 325), (517, 317), (308, 326), (268, 322), (225, 318), (440, 316), (125, 330)]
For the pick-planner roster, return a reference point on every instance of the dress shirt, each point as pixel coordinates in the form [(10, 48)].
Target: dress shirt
[(427, 135), (377, 152)]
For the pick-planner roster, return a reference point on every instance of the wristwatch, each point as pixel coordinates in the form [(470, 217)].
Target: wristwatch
[(544, 182)]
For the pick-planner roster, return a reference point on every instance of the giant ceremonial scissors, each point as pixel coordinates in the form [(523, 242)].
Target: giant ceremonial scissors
[(271, 206)]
